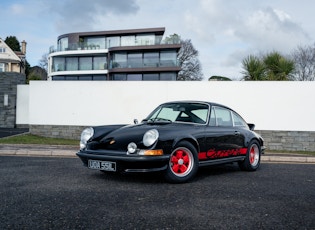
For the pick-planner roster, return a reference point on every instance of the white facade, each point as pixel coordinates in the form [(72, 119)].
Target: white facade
[(270, 105)]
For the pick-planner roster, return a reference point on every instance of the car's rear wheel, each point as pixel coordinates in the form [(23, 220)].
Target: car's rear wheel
[(252, 160), (183, 163)]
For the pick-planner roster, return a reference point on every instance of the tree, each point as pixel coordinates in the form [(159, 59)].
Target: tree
[(254, 69), (270, 67), (43, 62), (304, 59), (188, 59), (219, 78), (13, 43)]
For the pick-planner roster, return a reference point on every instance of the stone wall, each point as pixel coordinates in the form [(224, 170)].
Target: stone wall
[(274, 140), (289, 140), (8, 91)]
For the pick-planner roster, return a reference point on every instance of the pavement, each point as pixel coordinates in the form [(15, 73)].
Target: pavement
[(70, 151)]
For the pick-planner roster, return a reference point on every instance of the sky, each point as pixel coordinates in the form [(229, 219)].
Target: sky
[(223, 31)]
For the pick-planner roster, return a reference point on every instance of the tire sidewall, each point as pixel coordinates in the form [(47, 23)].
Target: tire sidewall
[(171, 177), (246, 165)]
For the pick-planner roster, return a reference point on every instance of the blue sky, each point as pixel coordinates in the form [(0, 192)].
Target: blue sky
[(223, 31)]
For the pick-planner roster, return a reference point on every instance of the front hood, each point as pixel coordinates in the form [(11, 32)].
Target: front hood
[(119, 138)]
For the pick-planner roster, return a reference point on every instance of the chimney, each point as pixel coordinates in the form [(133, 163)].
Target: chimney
[(23, 47)]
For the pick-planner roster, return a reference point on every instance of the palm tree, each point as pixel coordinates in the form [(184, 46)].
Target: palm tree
[(272, 67), (254, 69)]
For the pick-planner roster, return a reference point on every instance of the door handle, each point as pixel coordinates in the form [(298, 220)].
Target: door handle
[(237, 133)]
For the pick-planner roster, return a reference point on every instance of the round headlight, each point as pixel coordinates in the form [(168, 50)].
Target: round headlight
[(150, 137), (85, 136), (132, 147)]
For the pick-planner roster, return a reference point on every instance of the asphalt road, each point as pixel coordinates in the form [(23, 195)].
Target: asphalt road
[(59, 193), (6, 132)]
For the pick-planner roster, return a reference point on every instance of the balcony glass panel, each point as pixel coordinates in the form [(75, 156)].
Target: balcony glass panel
[(151, 59), (128, 40), (135, 60), (58, 64), (112, 41), (85, 63), (100, 63), (71, 63)]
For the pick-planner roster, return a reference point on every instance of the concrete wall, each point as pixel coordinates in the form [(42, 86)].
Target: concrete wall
[(8, 97), (273, 106)]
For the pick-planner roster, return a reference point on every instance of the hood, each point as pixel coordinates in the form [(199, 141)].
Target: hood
[(119, 138)]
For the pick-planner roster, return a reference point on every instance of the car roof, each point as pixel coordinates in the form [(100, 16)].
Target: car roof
[(201, 102)]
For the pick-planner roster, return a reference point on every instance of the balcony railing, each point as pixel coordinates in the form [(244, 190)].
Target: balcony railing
[(85, 46)]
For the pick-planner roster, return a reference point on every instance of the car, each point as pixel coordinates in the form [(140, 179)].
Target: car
[(176, 138)]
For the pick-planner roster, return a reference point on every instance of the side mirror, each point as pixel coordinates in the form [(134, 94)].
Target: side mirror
[(135, 121), (251, 126)]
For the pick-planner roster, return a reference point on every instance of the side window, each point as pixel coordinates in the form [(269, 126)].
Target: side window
[(238, 121), (223, 116)]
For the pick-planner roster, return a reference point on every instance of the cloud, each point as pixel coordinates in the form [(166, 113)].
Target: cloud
[(271, 29), (81, 15)]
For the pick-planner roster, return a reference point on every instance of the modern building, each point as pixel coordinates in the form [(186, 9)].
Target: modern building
[(126, 55), (12, 61)]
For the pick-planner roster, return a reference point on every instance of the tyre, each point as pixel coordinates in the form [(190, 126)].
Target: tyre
[(183, 163), (252, 160)]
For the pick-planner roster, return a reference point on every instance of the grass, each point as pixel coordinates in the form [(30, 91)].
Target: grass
[(293, 152), (33, 139)]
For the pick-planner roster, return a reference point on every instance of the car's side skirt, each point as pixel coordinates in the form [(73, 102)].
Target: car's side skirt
[(221, 161)]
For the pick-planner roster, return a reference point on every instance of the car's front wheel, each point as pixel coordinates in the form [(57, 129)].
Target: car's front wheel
[(183, 163), (252, 160)]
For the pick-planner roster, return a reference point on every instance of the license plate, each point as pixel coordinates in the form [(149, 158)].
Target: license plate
[(102, 165)]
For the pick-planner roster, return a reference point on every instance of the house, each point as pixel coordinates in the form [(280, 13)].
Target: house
[(127, 55), (12, 61)]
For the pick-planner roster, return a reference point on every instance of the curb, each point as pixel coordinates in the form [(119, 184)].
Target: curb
[(70, 151)]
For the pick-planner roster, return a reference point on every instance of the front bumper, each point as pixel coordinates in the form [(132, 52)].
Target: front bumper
[(126, 163)]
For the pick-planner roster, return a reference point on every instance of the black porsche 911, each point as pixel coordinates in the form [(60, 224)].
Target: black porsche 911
[(177, 138)]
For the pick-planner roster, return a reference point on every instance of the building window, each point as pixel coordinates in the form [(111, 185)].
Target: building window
[(135, 60), (145, 39), (71, 63), (112, 41), (100, 63), (58, 64), (85, 63), (95, 42), (151, 77), (128, 40), (119, 60), (2, 50), (168, 58), (63, 44), (2, 67), (151, 59), (119, 77), (168, 76), (134, 77)]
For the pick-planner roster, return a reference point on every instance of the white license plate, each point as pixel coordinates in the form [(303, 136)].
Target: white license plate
[(102, 165)]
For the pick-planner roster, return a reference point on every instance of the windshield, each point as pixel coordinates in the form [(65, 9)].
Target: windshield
[(180, 112)]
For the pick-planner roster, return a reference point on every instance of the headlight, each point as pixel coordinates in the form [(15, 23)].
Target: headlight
[(132, 147), (85, 136), (150, 137)]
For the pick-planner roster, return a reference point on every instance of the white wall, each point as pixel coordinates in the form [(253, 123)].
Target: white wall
[(270, 105)]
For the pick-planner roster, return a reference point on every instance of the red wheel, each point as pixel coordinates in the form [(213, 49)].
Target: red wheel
[(183, 163), (252, 160)]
